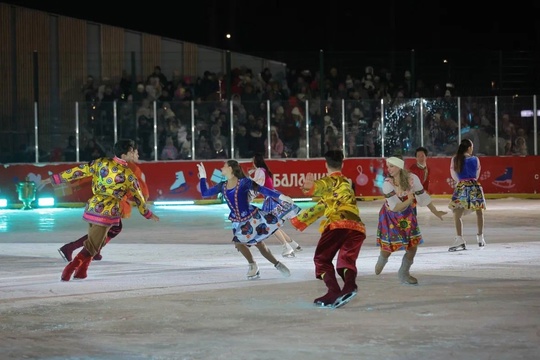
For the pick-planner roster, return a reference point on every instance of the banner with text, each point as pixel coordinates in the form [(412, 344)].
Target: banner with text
[(178, 180)]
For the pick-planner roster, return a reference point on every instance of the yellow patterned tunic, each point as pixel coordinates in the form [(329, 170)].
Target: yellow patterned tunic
[(112, 179), (337, 203)]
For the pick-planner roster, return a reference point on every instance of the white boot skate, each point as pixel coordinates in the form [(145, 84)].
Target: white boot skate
[(459, 244), (288, 251), (295, 246), (283, 269), (481, 241), (253, 272)]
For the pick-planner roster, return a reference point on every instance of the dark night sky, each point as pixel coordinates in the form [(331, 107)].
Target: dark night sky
[(349, 32), (284, 26)]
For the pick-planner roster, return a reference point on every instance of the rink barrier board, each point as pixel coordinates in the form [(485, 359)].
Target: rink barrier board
[(500, 176)]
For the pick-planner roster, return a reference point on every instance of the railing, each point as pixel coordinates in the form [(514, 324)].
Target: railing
[(45, 58), (298, 128)]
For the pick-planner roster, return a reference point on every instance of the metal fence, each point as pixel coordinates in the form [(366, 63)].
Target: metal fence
[(197, 130)]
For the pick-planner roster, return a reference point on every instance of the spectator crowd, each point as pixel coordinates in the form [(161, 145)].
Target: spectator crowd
[(182, 118)]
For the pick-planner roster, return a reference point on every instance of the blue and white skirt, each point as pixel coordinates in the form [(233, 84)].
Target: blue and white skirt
[(256, 229), (281, 209)]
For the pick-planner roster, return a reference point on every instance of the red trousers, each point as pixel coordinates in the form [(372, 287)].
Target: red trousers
[(344, 242)]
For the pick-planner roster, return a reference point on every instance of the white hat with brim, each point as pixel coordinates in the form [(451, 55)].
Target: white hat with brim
[(396, 162)]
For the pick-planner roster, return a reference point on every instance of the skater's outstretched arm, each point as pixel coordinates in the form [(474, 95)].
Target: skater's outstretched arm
[(205, 191)]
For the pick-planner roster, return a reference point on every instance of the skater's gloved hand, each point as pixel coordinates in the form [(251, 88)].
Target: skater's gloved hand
[(286, 198), (202, 171)]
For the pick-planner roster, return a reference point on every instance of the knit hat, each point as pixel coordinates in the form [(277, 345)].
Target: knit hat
[(396, 162)]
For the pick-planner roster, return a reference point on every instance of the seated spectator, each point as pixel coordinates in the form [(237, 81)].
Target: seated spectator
[(301, 153), (162, 79), (169, 152), (219, 151), (522, 143), (70, 152), (165, 113), (181, 134), (315, 149), (276, 145), (256, 139), (203, 151), (185, 149), (331, 139), (92, 151), (140, 94), (215, 134), (520, 147), (290, 134), (241, 143), (145, 129)]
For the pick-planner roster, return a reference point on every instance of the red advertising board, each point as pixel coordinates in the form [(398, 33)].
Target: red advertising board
[(178, 180)]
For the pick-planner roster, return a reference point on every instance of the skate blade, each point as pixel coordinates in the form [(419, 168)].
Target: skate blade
[(291, 255), (322, 305), (253, 277), (457, 248), (285, 273), (344, 299), (62, 255)]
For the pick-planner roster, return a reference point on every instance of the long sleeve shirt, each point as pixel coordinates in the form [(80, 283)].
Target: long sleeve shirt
[(337, 203), (393, 197), (126, 203), (112, 180), (238, 197)]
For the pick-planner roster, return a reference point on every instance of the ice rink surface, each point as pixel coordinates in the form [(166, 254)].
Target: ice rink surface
[(177, 290)]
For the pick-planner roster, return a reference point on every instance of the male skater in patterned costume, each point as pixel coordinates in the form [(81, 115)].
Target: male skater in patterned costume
[(67, 250), (112, 179), (342, 232)]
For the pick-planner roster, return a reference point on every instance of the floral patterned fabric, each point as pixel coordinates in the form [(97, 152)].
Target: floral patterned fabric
[(468, 195), (250, 224), (399, 230), (112, 181)]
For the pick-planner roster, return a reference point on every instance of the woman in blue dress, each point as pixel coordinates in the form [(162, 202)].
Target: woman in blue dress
[(250, 225), (468, 195)]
